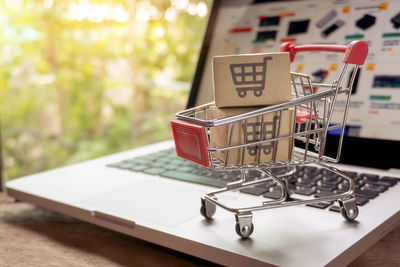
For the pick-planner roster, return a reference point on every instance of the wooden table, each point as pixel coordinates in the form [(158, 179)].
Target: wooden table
[(31, 236)]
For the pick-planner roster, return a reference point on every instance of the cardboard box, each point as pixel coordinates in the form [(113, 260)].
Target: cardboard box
[(220, 135), (251, 80)]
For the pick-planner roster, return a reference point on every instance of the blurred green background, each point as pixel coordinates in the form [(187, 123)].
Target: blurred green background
[(82, 79)]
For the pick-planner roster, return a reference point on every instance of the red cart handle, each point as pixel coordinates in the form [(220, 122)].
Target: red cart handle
[(354, 53)]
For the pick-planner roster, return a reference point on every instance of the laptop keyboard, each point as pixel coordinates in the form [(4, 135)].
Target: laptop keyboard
[(306, 181)]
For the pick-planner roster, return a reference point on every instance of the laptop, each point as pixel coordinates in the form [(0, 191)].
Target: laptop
[(151, 194)]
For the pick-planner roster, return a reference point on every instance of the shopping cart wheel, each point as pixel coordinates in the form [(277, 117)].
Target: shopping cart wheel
[(348, 209), (258, 92), (244, 226), (241, 92), (207, 209), (246, 231)]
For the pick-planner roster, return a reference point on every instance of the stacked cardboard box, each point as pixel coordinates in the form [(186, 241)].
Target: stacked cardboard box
[(251, 80), (243, 83)]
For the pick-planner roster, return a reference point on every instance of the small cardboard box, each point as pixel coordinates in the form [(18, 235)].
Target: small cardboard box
[(251, 79), (251, 132)]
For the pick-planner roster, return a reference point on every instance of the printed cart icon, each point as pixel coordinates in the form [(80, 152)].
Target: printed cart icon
[(259, 131), (249, 77)]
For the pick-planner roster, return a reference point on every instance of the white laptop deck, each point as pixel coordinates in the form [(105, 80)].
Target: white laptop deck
[(166, 212)]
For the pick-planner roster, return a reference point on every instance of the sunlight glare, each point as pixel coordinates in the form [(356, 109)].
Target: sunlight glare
[(158, 32), (97, 12), (192, 9), (180, 4), (201, 9), (170, 14), (48, 3), (14, 3)]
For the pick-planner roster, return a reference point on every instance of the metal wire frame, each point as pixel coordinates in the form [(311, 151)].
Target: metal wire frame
[(318, 107)]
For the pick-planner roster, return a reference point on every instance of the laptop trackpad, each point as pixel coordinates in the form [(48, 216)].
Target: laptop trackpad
[(158, 202)]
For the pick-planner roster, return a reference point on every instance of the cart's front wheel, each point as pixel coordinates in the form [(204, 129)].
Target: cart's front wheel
[(348, 209), (244, 226), (207, 209), (245, 231), (258, 92)]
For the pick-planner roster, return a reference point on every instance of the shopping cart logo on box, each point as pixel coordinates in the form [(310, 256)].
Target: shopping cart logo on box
[(259, 131), (249, 77)]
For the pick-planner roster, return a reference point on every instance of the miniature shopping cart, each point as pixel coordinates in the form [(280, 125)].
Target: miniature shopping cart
[(249, 77), (312, 119)]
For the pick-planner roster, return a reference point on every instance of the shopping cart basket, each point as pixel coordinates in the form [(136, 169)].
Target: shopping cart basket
[(313, 111), (249, 77)]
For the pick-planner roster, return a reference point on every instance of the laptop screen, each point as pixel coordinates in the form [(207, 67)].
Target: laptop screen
[(372, 134)]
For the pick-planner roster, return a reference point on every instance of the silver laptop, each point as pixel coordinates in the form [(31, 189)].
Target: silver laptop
[(151, 194)]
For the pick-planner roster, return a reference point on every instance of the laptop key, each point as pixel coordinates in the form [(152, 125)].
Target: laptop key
[(325, 172), (366, 193), (228, 178), (154, 170), (343, 187), (214, 174), (390, 181), (184, 169), (170, 167), (361, 201), (324, 194), (257, 190), (176, 161), (125, 165), (269, 183), (359, 185), (148, 158), (163, 160), (253, 174), (303, 185), (341, 190), (369, 177), (374, 187), (334, 208), (388, 178), (304, 191), (311, 170), (189, 177), (138, 168), (320, 205), (187, 163), (331, 179), (305, 182), (352, 174), (325, 188), (383, 182), (137, 161), (157, 165), (275, 194), (309, 176)]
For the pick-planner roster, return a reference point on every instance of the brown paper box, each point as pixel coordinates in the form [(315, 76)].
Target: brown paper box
[(251, 80), (220, 135)]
